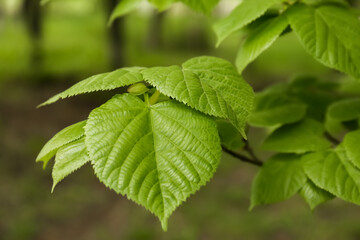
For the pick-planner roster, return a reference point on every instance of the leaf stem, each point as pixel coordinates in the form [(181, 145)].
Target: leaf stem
[(243, 158), (154, 98), (146, 99)]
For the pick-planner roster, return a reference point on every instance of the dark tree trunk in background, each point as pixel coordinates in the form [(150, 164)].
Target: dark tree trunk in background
[(116, 38), (33, 20), (154, 39)]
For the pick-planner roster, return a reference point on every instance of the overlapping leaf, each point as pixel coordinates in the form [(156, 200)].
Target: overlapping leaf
[(259, 40), (280, 178), (345, 110), (69, 158), (301, 137), (65, 136), (330, 33), (331, 170), (229, 136), (101, 82), (276, 108), (352, 147), (208, 84), (313, 195), (156, 155), (246, 12)]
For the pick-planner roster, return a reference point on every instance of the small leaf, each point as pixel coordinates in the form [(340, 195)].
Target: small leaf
[(246, 12), (124, 7), (260, 39), (156, 155), (332, 171), (69, 158), (352, 147), (323, 33), (204, 6), (65, 136), (280, 178), (208, 84), (229, 136), (345, 110), (102, 82), (301, 137), (313, 195), (273, 108)]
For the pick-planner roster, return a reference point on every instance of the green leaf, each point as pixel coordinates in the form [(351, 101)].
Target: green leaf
[(273, 108), (69, 158), (204, 6), (246, 12), (352, 147), (101, 82), (313, 195), (65, 136), (260, 39), (345, 110), (208, 84), (323, 33), (332, 171), (301, 137), (229, 136), (124, 7), (156, 155), (162, 5), (280, 178)]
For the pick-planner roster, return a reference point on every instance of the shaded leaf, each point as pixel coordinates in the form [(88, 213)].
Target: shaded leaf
[(280, 178), (345, 110), (229, 136), (301, 137), (352, 147), (124, 7), (313, 195)]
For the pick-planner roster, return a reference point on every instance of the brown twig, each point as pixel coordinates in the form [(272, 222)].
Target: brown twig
[(243, 158)]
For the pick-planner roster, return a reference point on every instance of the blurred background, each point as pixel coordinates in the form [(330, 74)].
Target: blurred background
[(44, 50)]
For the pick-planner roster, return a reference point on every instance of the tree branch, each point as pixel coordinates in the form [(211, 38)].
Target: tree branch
[(243, 158)]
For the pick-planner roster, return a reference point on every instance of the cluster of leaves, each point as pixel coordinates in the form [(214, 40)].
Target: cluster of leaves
[(305, 118), (155, 150), (159, 149)]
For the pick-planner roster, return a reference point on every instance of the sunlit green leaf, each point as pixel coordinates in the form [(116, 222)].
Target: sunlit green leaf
[(330, 34), (208, 84), (69, 158), (65, 136), (352, 147), (101, 82), (156, 155), (345, 110), (313, 195)]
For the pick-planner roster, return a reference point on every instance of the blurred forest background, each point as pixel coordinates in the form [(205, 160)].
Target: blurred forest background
[(44, 50)]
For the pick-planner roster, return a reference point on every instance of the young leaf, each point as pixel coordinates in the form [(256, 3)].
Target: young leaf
[(313, 195), (352, 147), (208, 84), (280, 178), (246, 12), (69, 158), (156, 155), (331, 170), (101, 82), (204, 6), (124, 7), (260, 39), (330, 34), (65, 136), (301, 137), (274, 108), (229, 136), (345, 110)]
